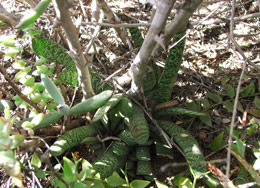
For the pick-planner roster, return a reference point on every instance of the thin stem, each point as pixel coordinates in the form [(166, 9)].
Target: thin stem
[(230, 139), (17, 90)]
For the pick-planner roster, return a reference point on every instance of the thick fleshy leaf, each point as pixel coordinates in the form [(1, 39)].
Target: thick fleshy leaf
[(69, 169), (206, 119), (87, 170), (217, 143), (160, 184), (15, 173), (115, 180), (231, 92), (139, 183), (185, 182), (257, 102), (52, 89), (240, 146), (16, 140), (36, 161), (215, 97)]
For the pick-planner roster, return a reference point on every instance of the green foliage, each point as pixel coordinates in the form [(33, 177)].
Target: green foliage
[(5, 104), (189, 146), (120, 148), (176, 111), (52, 89), (106, 107), (169, 74), (30, 18), (108, 163), (138, 125), (144, 168), (136, 36), (72, 138), (8, 145), (92, 103), (217, 143), (88, 176), (52, 51)]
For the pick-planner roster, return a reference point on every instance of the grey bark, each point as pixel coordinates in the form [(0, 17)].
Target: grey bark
[(7, 17), (138, 68), (179, 23), (151, 47), (82, 64)]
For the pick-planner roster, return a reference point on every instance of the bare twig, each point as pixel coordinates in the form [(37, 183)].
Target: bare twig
[(167, 104), (221, 176), (114, 19), (236, 98), (119, 25), (17, 90), (82, 8), (225, 20), (95, 34)]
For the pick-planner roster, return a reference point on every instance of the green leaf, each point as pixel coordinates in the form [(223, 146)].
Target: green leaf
[(185, 182), (78, 184), (52, 89), (16, 140), (106, 107), (5, 144), (69, 169), (240, 146), (40, 174), (115, 180), (215, 97), (36, 161), (139, 183), (7, 158), (253, 128), (176, 179), (236, 132), (205, 103), (8, 40), (15, 172), (5, 104), (58, 183), (87, 170), (41, 61), (229, 106), (250, 89), (224, 80), (230, 91), (160, 184), (20, 64), (37, 119), (218, 142), (97, 184), (27, 81), (11, 53), (257, 102), (206, 119), (191, 105)]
